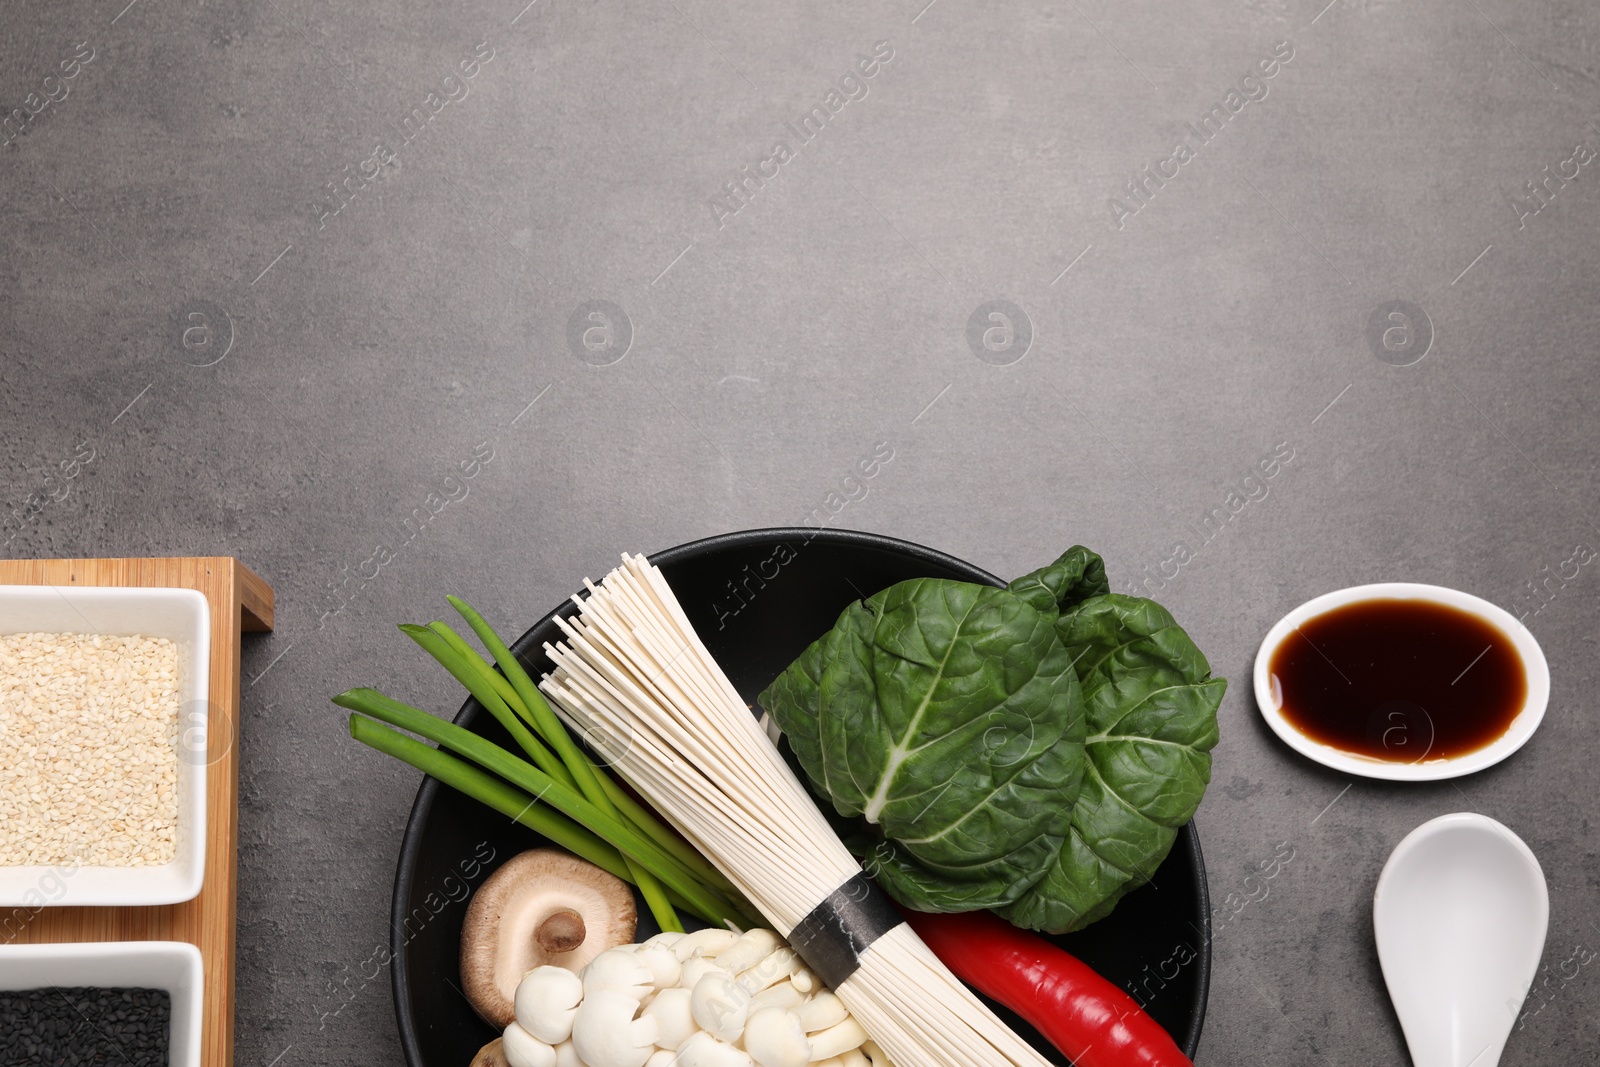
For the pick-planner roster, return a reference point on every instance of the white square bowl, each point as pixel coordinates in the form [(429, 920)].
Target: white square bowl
[(170, 965), (184, 617)]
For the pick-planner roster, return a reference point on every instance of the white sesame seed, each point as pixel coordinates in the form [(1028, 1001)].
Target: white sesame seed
[(88, 727)]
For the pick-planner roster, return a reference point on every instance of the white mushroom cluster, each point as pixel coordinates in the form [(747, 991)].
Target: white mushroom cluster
[(713, 998)]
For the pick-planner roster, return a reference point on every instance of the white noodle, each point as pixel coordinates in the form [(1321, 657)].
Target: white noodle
[(633, 677)]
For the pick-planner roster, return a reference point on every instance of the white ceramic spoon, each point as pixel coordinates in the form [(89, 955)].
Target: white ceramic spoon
[(1460, 917)]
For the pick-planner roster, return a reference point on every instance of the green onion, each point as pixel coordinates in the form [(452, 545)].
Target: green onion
[(516, 805), (625, 837), (531, 704), (593, 816), (665, 836), (439, 649), (577, 770)]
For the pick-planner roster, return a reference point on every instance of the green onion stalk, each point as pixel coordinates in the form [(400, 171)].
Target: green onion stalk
[(560, 794)]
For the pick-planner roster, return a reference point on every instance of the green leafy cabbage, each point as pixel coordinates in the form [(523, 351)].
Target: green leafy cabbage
[(1151, 705), (1032, 749)]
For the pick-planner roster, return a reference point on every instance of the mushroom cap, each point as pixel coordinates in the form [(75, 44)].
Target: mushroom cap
[(620, 969), (609, 1031), (749, 949), (720, 1005), (546, 1001), (674, 1017), (783, 995), (822, 1011), (703, 1050), (522, 1049), (499, 936), (706, 943), (492, 1055), (775, 1038), (665, 939), (663, 965)]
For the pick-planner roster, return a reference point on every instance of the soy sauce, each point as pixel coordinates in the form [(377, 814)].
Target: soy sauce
[(1404, 681)]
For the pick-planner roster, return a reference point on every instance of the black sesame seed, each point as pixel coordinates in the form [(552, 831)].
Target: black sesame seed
[(52, 1027)]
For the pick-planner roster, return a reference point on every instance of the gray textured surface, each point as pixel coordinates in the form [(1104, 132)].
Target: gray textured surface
[(356, 363)]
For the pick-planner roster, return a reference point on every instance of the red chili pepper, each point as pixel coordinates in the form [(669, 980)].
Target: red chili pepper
[(1092, 1021)]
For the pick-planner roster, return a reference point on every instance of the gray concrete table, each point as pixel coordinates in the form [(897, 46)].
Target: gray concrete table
[(395, 301)]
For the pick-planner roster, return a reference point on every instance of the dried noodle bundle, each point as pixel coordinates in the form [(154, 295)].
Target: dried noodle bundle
[(635, 679)]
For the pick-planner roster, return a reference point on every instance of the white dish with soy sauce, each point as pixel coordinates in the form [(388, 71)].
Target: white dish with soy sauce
[(1402, 681)]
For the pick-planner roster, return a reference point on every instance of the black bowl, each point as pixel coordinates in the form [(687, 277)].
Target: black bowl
[(757, 598)]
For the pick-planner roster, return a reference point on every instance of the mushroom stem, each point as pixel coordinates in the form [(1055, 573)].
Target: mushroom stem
[(561, 931), (837, 1039)]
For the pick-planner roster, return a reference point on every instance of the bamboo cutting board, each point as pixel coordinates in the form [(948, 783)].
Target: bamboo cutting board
[(239, 601)]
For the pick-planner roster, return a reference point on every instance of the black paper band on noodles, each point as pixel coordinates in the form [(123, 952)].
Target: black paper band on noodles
[(833, 936)]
